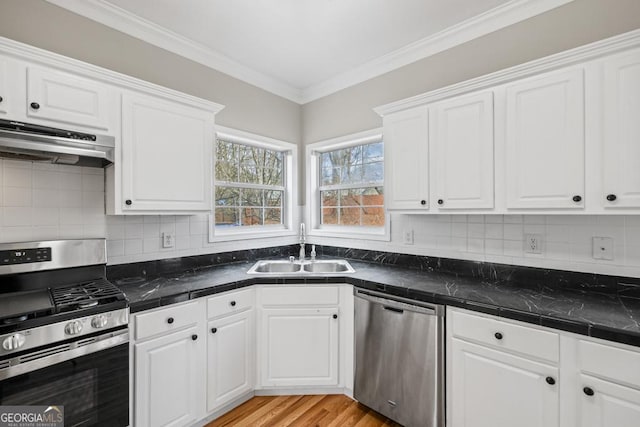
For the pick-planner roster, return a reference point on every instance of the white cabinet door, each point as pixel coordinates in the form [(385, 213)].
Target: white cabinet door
[(406, 156), (169, 380), (606, 404), (545, 141), (62, 97), (490, 388), (299, 347), (230, 358), (462, 152), (621, 143), (4, 86), (166, 155)]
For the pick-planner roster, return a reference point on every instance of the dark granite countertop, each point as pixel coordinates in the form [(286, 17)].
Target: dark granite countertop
[(582, 310)]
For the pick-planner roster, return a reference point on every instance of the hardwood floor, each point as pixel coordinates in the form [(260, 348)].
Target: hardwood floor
[(317, 410)]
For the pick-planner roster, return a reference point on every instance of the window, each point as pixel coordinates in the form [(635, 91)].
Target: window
[(252, 188), (346, 188)]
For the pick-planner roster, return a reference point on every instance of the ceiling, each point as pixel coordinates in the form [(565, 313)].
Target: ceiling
[(306, 49)]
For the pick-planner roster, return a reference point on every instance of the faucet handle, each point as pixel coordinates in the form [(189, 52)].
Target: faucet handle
[(292, 258)]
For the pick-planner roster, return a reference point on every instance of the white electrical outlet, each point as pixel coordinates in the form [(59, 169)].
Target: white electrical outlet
[(168, 240), (533, 243), (407, 237), (603, 248)]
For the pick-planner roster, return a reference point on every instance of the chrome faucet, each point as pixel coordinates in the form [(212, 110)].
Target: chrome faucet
[(302, 239)]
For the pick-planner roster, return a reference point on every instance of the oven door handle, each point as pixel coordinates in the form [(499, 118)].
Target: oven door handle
[(43, 358)]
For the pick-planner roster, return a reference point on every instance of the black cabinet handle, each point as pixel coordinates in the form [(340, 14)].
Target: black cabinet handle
[(233, 303), (35, 105), (588, 391), (214, 330), (423, 202), (194, 337), (335, 316), (1, 99), (170, 320), (498, 335), (577, 199), (550, 380), (128, 202), (611, 197), (440, 202)]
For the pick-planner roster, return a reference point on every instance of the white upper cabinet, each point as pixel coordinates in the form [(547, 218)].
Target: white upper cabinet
[(166, 155), (406, 154), (462, 152), (621, 131), (4, 87), (68, 99), (545, 141)]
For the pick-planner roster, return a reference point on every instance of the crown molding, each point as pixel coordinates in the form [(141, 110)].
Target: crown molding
[(492, 20), (135, 26), (582, 54), (502, 16)]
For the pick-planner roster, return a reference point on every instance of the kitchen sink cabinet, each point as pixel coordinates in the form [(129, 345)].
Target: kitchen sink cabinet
[(462, 152), (606, 404), (406, 156), (167, 157), (168, 374)]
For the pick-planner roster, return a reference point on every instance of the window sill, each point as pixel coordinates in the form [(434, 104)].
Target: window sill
[(352, 233), (251, 233)]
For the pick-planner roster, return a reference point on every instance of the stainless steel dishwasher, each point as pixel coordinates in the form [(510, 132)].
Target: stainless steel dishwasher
[(400, 358)]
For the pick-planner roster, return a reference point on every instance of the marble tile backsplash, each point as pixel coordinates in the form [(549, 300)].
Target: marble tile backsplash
[(43, 201)]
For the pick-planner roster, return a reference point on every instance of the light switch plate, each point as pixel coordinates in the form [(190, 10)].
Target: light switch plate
[(603, 248)]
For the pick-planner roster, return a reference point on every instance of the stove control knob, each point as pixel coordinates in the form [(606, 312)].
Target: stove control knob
[(73, 328), (13, 342), (99, 321)]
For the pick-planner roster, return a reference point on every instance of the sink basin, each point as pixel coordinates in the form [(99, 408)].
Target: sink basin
[(281, 267), (337, 266)]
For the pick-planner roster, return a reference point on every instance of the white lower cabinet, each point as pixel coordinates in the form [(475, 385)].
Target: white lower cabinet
[(169, 385), (492, 388), (230, 358), (505, 382), (299, 347)]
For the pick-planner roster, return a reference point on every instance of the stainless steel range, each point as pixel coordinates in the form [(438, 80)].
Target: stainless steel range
[(63, 331)]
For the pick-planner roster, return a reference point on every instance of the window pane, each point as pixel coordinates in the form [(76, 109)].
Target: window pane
[(273, 198), (373, 152), (349, 216), (350, 197), (227, 196), (227, 216), (373, 216), (373, 172), (251, 216), (250, 197), (329, 215), (329, 198), (273, 216), (372, 196)]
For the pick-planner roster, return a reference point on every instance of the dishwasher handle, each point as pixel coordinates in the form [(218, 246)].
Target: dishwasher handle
[(397, 310), (399, 304)]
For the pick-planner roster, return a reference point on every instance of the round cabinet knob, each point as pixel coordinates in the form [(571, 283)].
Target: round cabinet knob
[(35, 105), (73, 328), (550, 380), (232, 303), (214, 330), (99, 321), (13, 342), (170, 320), (588, 391), (128, 202), (498, 335), (577, 199), (423, 202), (194, 337), (611, 197), (440, 202), (335, 316)]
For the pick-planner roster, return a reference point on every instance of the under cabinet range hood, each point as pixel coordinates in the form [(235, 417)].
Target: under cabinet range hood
[(25, 141)]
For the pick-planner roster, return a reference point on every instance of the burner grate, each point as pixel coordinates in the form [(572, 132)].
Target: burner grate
[(85, 295)]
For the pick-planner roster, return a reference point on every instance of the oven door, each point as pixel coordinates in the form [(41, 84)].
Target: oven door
[(90, 378)]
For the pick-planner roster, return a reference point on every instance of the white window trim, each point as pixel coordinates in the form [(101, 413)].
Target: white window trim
[(290, 212), (314, 227)]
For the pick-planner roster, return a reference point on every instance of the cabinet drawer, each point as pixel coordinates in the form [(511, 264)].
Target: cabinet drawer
[(300, 295), (609, 362), (507, 336), (231, 302), (166, 320)]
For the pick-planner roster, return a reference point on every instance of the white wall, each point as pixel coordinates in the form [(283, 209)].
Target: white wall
[(566, 240), (40, 201)]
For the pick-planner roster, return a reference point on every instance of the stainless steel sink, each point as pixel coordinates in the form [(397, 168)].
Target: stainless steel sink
[(281, 267)]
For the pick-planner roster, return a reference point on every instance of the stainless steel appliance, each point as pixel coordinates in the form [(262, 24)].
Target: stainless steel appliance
[(400, 358), (63, 331), (27, 141)]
